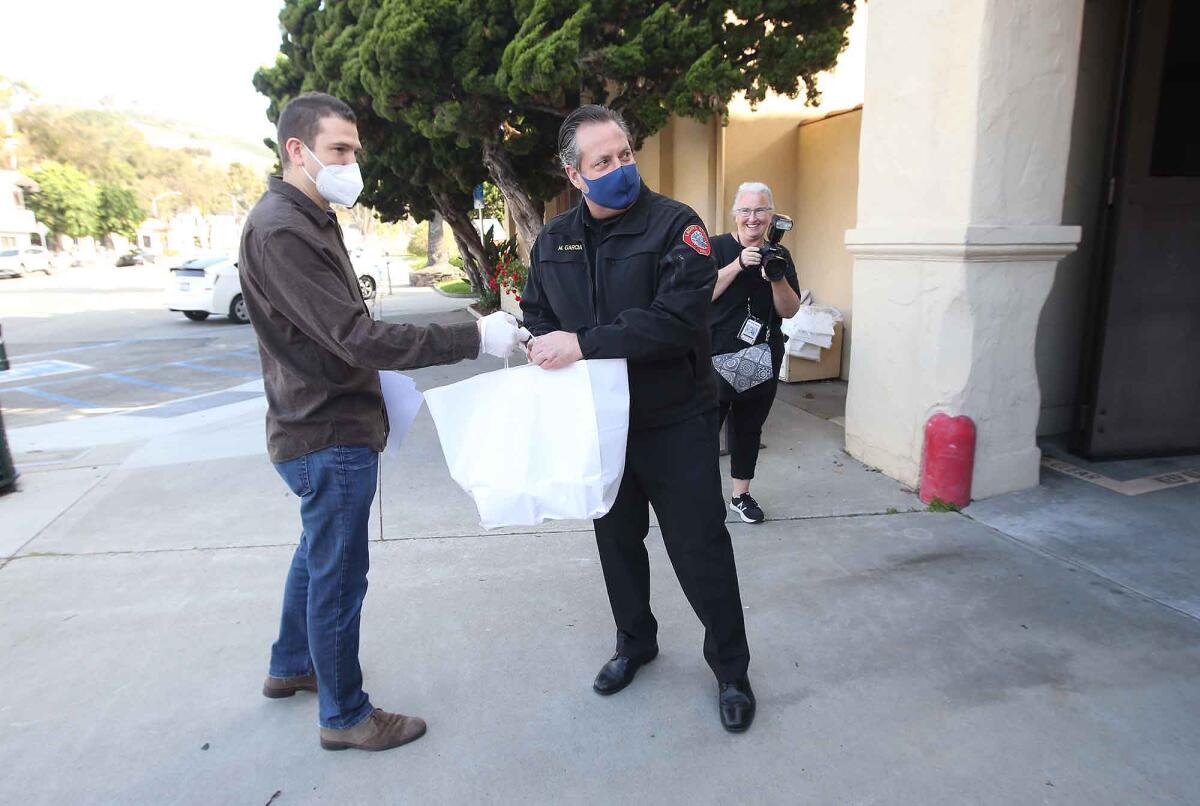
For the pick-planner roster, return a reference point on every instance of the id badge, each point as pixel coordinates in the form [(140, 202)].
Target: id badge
[(750, 330)]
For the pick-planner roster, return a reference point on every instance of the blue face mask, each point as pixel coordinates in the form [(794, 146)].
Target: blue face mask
[(617, 189)]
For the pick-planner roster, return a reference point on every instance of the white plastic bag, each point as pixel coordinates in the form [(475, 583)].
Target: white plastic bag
[(530, 445)]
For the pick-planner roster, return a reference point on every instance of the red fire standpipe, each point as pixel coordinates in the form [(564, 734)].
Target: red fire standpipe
[(949, 460)]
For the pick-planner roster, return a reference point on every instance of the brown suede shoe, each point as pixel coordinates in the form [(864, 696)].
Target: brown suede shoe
[(379, 731), (278, 687)]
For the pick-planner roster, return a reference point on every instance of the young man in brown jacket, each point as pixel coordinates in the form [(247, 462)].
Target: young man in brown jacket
[(326, 424)]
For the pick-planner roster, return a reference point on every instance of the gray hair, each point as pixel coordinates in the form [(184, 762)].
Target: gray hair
[(753, 187), (568, 145)]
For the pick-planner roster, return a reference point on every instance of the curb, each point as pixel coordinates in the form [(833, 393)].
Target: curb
[(452, 296)]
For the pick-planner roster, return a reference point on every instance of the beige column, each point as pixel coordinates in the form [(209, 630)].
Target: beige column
[(965, 136)]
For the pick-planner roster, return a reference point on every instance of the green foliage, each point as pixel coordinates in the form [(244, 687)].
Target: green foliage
[(99, 144), (503, 73), (406, 175), (493, 202), (118, 212), (109, 150), (456, 288), (651, 59), (444, 87), (66, 202), (245, 185), (418, 245), (489, 299), (432, 64), (938, 505)]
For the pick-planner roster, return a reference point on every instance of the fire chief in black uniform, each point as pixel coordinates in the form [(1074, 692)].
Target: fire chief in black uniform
[(629, 274)]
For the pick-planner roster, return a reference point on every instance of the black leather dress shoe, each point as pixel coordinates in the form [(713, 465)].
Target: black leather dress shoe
[(618, 672), (736, 703)]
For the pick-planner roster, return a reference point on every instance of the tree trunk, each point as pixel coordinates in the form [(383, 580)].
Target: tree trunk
[(363, 218), (469, 245), (527, 213), (437, 243), (471, 262)]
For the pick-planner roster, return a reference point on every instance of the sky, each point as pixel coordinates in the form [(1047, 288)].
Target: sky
[(189, 61)]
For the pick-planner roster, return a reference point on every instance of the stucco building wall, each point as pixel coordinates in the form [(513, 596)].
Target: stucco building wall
[(964, 148), (826, 206)]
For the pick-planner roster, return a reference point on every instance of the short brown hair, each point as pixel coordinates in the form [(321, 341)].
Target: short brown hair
[(301, 118)]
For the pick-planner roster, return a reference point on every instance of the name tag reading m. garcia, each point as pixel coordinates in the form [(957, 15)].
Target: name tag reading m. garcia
[(570, 247)]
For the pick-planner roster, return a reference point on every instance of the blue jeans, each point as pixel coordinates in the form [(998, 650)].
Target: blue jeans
[(326, 585)]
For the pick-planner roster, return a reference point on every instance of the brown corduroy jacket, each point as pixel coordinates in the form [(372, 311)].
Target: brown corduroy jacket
[(319, 345)]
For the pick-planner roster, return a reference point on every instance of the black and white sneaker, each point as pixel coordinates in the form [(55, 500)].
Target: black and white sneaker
[(745, 506)]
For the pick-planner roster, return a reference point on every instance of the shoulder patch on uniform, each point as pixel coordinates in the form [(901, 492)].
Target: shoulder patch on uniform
[(695, 237)]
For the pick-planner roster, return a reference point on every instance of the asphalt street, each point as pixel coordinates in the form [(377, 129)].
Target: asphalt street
[(98, 340)]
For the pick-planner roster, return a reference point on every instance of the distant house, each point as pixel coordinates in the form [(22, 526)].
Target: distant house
[(152, 235), (190, 232), (18, 226)]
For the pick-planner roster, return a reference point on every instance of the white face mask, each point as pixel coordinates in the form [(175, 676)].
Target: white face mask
[(339, 184)]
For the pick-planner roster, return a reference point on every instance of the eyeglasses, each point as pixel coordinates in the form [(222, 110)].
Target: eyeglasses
[(748, 210)]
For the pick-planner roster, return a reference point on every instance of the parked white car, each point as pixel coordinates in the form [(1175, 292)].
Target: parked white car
[(370, 267), (24, 260), (210, 285)]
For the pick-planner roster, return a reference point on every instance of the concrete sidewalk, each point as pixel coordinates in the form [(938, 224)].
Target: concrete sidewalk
[(908, 657)]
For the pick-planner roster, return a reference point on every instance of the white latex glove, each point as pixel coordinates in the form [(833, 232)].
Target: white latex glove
[(525, 339), (498, 334)]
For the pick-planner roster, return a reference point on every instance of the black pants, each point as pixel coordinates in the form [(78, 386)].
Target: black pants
[(675, 470), (747, 412)]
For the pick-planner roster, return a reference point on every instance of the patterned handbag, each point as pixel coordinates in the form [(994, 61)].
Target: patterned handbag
[(746, 368)]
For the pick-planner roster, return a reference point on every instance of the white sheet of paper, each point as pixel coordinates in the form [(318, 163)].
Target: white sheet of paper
[(808, 337), (809, 352), (403, 400)]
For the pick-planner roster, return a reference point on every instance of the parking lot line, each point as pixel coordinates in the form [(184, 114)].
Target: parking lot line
[(98, 346), (115, 376), (27, 371), (42, 393)]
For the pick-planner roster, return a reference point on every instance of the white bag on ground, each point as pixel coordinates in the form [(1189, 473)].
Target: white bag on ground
[(530, 445)]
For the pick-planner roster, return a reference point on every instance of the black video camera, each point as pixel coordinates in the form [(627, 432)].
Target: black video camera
[(773, 261)]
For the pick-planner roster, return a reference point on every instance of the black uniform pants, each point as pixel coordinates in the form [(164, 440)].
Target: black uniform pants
[(674, 469), (747, 412)]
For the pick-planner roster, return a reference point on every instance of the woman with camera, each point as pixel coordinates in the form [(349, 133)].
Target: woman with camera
[(756, 289)]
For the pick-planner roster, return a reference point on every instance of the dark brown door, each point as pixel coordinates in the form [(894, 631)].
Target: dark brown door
[(1146, 377)]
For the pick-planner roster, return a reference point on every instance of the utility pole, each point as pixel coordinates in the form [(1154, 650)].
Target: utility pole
[(478, 198)]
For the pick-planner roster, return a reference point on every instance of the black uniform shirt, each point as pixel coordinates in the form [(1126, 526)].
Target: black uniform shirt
[(638, 287), (729, 310)]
